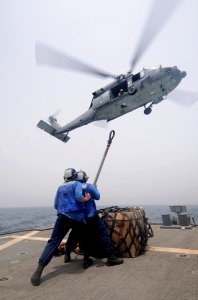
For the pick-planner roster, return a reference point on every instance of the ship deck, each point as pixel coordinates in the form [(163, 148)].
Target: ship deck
[(167, 270)]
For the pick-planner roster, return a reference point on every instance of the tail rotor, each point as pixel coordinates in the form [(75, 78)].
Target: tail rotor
[(53, 119)]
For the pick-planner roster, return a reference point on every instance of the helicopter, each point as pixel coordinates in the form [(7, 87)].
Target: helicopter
[(126, 92)]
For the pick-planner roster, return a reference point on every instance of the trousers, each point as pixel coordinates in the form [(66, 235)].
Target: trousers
[(62, 225), (96, 239)]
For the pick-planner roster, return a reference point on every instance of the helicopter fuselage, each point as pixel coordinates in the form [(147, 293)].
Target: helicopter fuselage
[(127, 93)]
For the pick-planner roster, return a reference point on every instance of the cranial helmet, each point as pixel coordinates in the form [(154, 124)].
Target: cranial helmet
[(70, 174), (82, 176)]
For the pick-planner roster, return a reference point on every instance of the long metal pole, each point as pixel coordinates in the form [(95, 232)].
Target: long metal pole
[(111, 136)]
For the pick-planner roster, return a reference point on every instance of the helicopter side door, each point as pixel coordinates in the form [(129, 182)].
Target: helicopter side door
[(119, 89)]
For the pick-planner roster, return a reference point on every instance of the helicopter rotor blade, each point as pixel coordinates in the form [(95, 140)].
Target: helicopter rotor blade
[(184, 98), (45, 55), (56, 113), (160, 13)]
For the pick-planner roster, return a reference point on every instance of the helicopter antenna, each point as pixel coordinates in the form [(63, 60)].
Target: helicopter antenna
[(160, 13), (46, 55)]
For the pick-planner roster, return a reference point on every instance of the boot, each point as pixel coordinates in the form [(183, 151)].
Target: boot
[(67, 258), (87, 262), (113, 260), (36, 277)]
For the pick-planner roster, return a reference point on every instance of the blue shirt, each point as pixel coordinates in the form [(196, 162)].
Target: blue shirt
[(67, 200), (90, 206)]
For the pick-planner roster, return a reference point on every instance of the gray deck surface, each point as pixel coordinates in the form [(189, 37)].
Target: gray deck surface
[(158, 274)]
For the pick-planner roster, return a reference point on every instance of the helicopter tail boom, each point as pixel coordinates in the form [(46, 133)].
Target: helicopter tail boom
[(51, 130)]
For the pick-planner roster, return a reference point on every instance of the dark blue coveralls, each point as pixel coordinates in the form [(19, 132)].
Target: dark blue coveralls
[(97, 238), (70, 215)]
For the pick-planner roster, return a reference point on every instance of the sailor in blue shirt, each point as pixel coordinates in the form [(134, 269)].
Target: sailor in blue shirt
[(65, 203), (68, 203), (89, 207), (95, 228)]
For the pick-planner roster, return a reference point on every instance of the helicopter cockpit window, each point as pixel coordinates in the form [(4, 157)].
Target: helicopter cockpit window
[(116, 89), (136, 77)]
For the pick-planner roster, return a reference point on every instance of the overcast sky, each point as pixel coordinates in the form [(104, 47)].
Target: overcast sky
[(152, 160)]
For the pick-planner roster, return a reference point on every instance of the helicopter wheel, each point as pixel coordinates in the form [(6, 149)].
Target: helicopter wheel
[(147, 110)]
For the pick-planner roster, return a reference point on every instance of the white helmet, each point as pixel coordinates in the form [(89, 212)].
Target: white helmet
[(82, 176), (70, 174)]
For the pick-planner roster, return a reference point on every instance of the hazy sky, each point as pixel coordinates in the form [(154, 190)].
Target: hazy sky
[(152, 160)]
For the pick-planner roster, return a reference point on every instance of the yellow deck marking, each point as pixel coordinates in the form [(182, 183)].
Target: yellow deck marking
[(29, 236), (17, 239), (25, 237), (172, 250)]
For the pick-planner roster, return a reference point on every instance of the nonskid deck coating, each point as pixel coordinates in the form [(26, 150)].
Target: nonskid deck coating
[(161, 273)]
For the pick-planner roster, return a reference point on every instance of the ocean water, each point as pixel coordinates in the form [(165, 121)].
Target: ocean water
[(29, 218)]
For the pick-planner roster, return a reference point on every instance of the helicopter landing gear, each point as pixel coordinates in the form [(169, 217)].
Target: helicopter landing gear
[(148, 109)]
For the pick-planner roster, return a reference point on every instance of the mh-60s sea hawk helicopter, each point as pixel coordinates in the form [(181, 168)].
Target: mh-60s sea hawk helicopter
[(127, 92)]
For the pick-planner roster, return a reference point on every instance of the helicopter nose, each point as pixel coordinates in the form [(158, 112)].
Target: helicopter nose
[(183, 74), (177, 74), (174, 77)]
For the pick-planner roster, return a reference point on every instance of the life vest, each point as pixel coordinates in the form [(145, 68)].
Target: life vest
[(65, 200)]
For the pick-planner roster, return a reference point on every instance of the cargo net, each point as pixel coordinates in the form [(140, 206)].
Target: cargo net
[(128, 228)]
